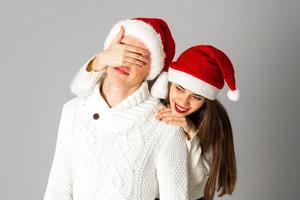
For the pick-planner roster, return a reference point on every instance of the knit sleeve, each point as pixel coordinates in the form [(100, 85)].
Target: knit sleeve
[(84, 82), (59, 185), (172, 168)]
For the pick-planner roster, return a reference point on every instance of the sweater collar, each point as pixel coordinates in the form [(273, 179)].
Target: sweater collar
[(137, 97), (123, 115)]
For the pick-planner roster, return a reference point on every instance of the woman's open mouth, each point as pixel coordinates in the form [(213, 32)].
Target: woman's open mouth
[(180, 109)]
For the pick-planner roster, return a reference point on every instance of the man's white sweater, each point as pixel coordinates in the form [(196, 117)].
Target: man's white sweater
[(119, 153)]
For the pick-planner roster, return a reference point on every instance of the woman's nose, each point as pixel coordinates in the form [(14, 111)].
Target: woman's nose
[(185, 100)]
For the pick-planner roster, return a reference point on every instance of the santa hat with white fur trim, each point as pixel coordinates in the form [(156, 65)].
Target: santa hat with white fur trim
[(156, 36), (203, 69)]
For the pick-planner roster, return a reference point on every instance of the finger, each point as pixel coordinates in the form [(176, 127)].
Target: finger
[(165, 115), (180, 120), (142, 50), (129, 64), (137, 50), (169, 118), (179, 123), (176, 122), (160, 109), (119, 36), (144, 59), (133, 61), (156, 111), (163, 111)]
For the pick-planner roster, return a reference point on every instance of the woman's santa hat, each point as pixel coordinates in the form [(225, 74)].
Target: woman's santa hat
[(203, 69), (156, 36)]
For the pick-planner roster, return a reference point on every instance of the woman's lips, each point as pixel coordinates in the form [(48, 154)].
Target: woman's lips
[(122, 70), (180, 109)]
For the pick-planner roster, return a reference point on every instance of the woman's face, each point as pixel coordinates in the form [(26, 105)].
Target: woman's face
[(184, 102)]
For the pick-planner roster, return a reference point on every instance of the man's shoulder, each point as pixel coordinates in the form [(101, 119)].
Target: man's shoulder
[(169, 135), (163, 129), (169, 130), (73, 103), (151, 101)]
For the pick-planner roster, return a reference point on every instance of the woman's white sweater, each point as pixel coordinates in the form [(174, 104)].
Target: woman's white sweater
[(198, 168), (119, 153)]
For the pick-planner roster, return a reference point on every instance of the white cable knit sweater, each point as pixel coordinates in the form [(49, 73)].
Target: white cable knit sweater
[(125, 154), (198, 165)]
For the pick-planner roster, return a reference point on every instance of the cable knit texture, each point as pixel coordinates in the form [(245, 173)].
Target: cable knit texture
[(198, 165), (125, 154)]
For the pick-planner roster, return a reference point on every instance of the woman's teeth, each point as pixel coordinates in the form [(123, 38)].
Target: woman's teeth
[(180, 109)]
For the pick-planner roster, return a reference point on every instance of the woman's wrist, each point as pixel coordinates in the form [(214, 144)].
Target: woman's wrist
[(191, 134), (95, 64), (190, 130)]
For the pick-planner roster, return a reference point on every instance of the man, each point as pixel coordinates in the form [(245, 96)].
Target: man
[(110, 145)]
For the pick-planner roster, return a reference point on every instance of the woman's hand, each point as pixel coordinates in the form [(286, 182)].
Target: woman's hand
[(166, 115), (120, 54)]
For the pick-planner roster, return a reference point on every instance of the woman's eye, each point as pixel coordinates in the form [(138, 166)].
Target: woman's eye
[(179, 88), (197, 98)]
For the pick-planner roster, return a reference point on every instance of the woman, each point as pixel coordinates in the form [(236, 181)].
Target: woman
[(194, 81)]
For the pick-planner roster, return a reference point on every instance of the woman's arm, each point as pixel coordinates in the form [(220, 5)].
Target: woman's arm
[(60, 179), (85, 81)]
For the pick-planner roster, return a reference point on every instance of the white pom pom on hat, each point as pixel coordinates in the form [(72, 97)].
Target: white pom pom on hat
[(233, 95), (160, 87)]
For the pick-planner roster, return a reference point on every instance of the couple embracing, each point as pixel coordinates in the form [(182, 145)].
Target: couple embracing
[(144, 126)]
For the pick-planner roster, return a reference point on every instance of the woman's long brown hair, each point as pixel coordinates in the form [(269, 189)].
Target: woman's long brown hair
[(215, 131)]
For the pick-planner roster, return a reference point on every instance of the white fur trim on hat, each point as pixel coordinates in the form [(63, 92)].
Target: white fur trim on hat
[(192, 83), (160, 87), (147, 34)]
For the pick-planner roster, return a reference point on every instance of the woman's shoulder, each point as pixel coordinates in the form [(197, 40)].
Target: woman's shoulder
[(74, 101)]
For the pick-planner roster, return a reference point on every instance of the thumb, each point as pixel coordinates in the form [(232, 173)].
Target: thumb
[(119, 36)]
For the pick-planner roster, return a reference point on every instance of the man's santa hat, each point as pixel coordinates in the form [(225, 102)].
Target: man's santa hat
[(156, 36), (203, 69)]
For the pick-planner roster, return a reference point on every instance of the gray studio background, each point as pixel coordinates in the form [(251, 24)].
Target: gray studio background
[(43, 44)]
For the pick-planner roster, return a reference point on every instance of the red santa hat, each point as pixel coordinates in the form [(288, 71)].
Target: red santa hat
[(203, 69), (156, 36)]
